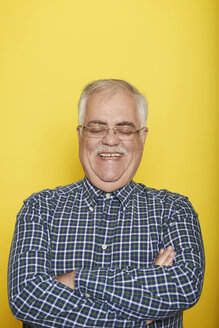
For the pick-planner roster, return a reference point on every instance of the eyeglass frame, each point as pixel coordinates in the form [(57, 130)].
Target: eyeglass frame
[(114, 129)]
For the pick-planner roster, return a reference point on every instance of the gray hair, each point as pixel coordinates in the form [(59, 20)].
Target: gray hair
[(112, 86)]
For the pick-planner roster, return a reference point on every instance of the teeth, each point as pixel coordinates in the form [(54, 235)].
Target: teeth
[(110, 155)]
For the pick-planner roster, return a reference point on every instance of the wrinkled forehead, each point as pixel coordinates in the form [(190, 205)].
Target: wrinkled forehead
[(117, 106), (106, 95)]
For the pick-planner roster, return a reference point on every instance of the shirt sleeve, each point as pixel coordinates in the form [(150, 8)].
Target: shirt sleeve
[(156, 292), (35, 297)]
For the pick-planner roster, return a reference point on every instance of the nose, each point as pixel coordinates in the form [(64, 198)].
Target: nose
[(110, 138)]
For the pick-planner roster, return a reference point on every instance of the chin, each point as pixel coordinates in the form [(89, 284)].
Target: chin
[(109, 178)]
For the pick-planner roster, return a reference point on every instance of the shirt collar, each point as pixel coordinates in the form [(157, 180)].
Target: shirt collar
[(122, 194), (91, 190)]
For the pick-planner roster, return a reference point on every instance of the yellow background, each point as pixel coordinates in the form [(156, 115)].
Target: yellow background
[(51, 48)]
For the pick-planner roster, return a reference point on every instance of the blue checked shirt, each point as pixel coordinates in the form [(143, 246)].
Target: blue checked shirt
[(112, 240)]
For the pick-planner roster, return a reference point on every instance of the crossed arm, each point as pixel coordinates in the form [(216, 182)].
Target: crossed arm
[(131, 294), (164, 258)]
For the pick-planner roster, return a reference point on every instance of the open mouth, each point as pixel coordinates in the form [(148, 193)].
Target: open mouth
[(110, 155)]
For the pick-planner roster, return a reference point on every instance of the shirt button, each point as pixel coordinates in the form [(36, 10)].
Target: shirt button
[(91, 208), (87, 295), (124, 208), (104, 246), (107, 195)]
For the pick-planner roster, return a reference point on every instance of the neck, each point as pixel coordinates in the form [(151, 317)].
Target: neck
[(108, 186)]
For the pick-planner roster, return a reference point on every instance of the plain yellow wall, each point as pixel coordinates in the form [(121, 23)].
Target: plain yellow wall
[(168, 48)]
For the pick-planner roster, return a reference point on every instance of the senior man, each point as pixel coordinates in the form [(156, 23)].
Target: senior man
[(106, 251)]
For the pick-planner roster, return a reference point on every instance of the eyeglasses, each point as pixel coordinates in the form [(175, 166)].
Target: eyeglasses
[(98, 131)]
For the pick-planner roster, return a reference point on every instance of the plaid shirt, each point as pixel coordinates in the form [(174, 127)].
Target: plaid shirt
[(112, 239)]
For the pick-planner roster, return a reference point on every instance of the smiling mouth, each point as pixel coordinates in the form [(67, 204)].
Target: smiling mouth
[(110, 155)]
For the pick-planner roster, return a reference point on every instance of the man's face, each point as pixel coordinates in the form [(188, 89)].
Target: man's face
[(108, 162)]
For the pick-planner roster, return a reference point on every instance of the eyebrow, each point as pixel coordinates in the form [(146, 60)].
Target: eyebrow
[(125, 123), (97, 122)]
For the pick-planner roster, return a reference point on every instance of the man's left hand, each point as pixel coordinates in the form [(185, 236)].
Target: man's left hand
[(67, 279), (165, 258)]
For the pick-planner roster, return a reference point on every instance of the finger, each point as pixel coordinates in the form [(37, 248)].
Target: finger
[(170, 258), (165, 257), (159, 256), (162, 258), (148, 322)]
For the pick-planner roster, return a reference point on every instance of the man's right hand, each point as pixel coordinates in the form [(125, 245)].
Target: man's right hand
[(165, 258)]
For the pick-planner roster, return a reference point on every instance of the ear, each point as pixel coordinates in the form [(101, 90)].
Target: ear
[(79, 132), (78, 129), (144, 134)]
